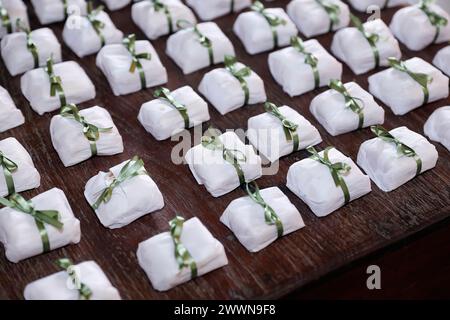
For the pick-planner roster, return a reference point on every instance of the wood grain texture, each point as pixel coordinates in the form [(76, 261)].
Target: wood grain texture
[(325, 244)]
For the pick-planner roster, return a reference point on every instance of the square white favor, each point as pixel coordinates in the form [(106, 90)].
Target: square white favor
[(212, 9), (364, 5), (15, 10), (50, 11), (10, 116), (442, 60), (437, 127), (116, 4)]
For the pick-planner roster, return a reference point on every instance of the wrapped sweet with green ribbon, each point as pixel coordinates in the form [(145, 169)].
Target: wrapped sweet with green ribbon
[(310, 59), (6, 21), (31, 46), (202, 39), (435, 19), (9, 167), (239, 74), (372, 38), (333, 12), (271, 19), (289, 127), (351, 102), (96, 24), (84, 291), (182, 255), (130, 43), (165, 94), (160, 6), (55, 82)]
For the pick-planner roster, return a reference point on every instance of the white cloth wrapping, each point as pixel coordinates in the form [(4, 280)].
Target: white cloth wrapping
[(190, 55), (20, 235), (330, 110), (266, 133), (312, 182), (131, 200), (80, 36), (350, 46), (391, 85), (219, 176), (405, 22), (363, 5), (225, 93), (246, 219), (156, 255), (18, 59), (162, 120), (115, 60), (212, 9), (389, 169), (35, 86), (26, 176), (73, 147), (442, 60), (116, 4), (256, 34), (10, 116), (50, 11), (58, 286), (313, 20), (290, 70), (437, 127), (155, 23), (17, 10)]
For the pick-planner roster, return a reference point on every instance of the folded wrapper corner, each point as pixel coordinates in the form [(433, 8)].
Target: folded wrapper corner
[(437, 127), (50, 11), (10, 116), (364, 5), (212, 9), (113, 5), (442, 60), (16, 10)]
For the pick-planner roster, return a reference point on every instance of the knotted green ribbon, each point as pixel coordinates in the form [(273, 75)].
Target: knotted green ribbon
[(310, 59), (435, 19), (372, 38), (402, 148), (96, 24), (421, 78), (289, 127), (31, 46), (337, 169), (41, 217), (9, 167), (90, 131), (130, 43), (165, 94), (83, 290), (131, 169), (271, 19), (270, 215), (182, 255), (350, 101), (202, 39), (230, 65), (55, 83), (159, 6), (6, 21), (333, 11)]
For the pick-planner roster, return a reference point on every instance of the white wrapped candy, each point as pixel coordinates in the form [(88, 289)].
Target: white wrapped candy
[(163, 119), (246, 219), (437, 127), (220, 176), (21, 235), (388, 167), (364, 5), (333, 111), (50, 11), (13, 10), (312, 18), (59, 286), (131, 199), (10, 116), (116, 4), (156, 255), (390, 86), (442, 60), (212, 9), (191, 51), (313, 182)]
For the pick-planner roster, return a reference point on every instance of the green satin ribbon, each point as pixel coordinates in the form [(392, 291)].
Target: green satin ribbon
[(435, 19), (159, 6), (55, 83), (230, 65), (31, 46), (90, 131), (289, 127), (182, 255), (271, 19), (9, 167), (6, 21), (421, 78), (96, 24), (41, 217), (337, 169), (310, 59), (202, 39), (65, 8), (84, 291), (350, 101), (333, 12), (372, 38), (232, 6), (270, 215), (131, 169), (130, 43), (165, 94), (402, 148)]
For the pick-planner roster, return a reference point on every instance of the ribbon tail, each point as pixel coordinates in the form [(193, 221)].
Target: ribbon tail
[(93, 146), (44, 236), (345, 190), (419, 165), (9, 181)]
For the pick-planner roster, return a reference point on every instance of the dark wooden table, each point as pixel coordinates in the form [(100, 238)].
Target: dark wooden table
[(360, 228)]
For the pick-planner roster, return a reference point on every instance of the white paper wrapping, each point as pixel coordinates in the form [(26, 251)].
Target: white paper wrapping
[(256, 34), (290, 71), (114, 60), (212, 9), (246, 219), (442, 60), (225, 93), (155, 23), (185, 49), (350, 45), (18, 59), (50, 11), (58, 286), (265, 132), (390, 86), (10, 116), (20, 235), (219, 176), (156, 255), (17, 10), (116, 4), (437, 127), (412, 27), (35, 86), (330, 110), (363, 5), (312, 182), (313, 20), (162, 120)]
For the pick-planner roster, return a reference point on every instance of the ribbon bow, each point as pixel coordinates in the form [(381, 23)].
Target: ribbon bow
[(55, 82), (84, 291), (402, 148), (9, 167), (337, 169), (159, 6), (372, 38), (271, 19), (289, 127), (31, 46), (350, 101), (333, 12), (435, 19), (165, 94), (41, 217), (230, 65), (130, 43), (6, 21), (310, 59), (182, 255), (96, 24), (204, 40)]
